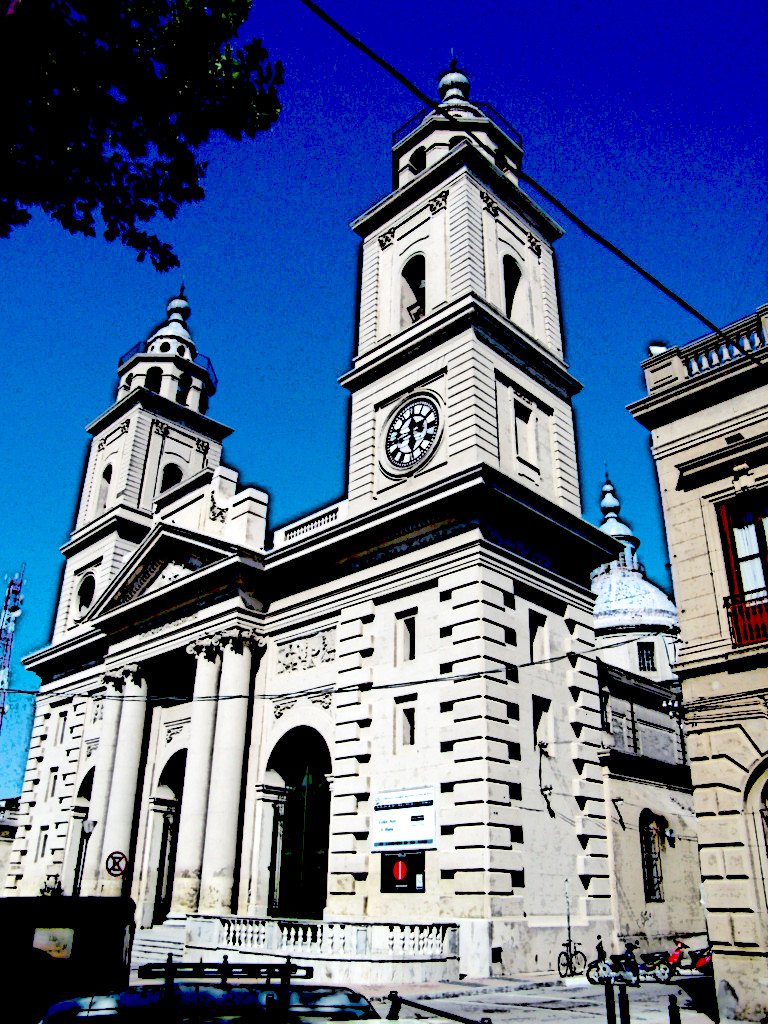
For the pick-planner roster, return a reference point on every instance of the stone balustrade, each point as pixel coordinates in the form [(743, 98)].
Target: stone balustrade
[(668, 367), (339, 950)]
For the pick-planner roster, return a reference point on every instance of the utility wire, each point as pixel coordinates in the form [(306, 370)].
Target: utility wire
[(316, 9)]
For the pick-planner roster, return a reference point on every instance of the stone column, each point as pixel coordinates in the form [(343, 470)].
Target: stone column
[(111, 706), (221, 839), (125, 778), (197, 776)]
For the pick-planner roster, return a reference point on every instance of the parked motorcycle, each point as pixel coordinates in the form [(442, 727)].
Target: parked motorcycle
[(683, 960), (655, 966), (618, 967)]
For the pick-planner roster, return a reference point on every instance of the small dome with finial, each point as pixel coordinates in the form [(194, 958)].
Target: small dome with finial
[(453, 85), (173, 337), (626, 600)]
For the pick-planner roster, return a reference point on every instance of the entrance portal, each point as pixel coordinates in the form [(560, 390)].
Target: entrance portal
[(165, 806), (299, 857)]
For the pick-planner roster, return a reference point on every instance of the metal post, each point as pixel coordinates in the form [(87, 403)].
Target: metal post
[(610, 1003), (394, 1010), (674, 1010), (623, 1004)]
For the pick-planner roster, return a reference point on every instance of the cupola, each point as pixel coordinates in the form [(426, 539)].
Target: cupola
[(168, 362), (433, 133)]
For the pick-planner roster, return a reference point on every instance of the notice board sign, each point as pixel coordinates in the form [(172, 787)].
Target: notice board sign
[(403, 819), (402, 872)]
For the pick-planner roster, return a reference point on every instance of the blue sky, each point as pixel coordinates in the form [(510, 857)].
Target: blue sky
[(648, 120)]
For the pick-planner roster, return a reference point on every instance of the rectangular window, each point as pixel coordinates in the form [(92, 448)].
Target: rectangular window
[(523, 433), (408, 726), (651, 833), (744, 532), (61, 726), (405, 637), (646, 657), (537, 625), (52, 780), (42, 843)]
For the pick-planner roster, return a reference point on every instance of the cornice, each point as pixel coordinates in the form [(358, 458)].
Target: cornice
[(470, 311), (705, 391), (464, 155), (155, 403), (129, 523), (720, 463)]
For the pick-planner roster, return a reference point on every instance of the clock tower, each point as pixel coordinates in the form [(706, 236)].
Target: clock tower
[(460, 354)]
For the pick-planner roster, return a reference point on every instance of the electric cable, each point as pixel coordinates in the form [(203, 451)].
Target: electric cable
[(590, 232)]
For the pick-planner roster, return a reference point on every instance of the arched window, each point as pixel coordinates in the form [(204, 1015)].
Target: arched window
[(500, 160), (512, 275), (203, 408), (172, 475), (413, 291), (653, 831), (153, 379), (182, 389), (418, 160), (85, 593), (106, 480)]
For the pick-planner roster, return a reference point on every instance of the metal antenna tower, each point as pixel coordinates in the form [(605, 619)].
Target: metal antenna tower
[(11, 612)]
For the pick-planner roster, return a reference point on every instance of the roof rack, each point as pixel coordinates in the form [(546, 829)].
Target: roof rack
[(171, 970)]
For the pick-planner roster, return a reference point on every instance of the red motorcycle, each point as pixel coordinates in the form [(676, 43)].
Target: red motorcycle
[(684, 960)]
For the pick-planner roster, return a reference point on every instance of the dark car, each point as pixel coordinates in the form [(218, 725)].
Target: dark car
[(198, 1003)]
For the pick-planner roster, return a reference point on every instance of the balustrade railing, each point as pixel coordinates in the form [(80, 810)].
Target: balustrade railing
[(712, 352), (336, 939)]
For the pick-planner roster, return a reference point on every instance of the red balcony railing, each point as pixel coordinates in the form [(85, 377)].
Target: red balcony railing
[(748, 618)]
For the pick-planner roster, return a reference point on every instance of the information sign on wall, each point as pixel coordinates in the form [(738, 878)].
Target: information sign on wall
[(403, 819)]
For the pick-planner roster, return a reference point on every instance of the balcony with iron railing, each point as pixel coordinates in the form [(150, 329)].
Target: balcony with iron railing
[(748, 617), (200, 360)]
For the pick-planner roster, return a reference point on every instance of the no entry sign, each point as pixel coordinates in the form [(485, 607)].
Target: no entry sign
[(402, 872)]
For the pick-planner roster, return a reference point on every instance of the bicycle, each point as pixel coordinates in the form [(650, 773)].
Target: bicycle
[(571, 961)]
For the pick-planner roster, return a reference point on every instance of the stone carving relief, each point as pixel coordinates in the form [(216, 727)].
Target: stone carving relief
[(91, 746), (218, 513), (163, 429), (307, 652), (438, 202), (490, 204), (281, 706), (387, 238), (174, 729), (323, 699), (114, 434), (534, 245)]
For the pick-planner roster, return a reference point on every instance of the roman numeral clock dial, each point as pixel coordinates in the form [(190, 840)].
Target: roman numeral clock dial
[(412, 433)]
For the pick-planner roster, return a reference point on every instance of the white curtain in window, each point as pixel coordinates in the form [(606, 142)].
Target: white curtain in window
[(748, 554)]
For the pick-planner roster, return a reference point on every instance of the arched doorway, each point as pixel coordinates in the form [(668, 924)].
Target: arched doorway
[(165, 806), (299, 856)]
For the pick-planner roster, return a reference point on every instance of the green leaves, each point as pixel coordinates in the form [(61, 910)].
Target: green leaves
[(107, 105)]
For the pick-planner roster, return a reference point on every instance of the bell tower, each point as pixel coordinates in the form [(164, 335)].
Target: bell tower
[(460, 353), (155, 437)]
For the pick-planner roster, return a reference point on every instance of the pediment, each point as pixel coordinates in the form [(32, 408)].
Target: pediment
[(166, 556)]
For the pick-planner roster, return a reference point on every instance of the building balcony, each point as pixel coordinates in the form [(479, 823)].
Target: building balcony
[(748, 618)]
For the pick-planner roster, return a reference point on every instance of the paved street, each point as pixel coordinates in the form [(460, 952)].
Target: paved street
[(576, 1001)]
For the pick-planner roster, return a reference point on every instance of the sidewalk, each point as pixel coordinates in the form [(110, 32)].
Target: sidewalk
[(469, 987)]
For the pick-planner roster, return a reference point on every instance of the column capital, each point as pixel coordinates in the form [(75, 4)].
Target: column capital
[(208, 647), (117, 678), (239, 637)]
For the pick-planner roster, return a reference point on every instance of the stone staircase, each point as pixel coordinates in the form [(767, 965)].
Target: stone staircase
[(152, 945)]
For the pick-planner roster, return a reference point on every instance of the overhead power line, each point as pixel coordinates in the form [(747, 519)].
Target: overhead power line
[(591, 232)]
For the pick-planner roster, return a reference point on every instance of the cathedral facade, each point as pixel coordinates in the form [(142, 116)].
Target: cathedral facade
[(372, 738)]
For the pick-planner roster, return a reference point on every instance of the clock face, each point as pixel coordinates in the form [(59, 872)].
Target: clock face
[(412, 433)]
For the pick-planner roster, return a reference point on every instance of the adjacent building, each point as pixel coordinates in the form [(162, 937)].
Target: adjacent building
[(652, 837), (371, 740), (707, 410)]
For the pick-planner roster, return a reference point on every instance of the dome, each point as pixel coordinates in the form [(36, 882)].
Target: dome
[(627, 600)]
